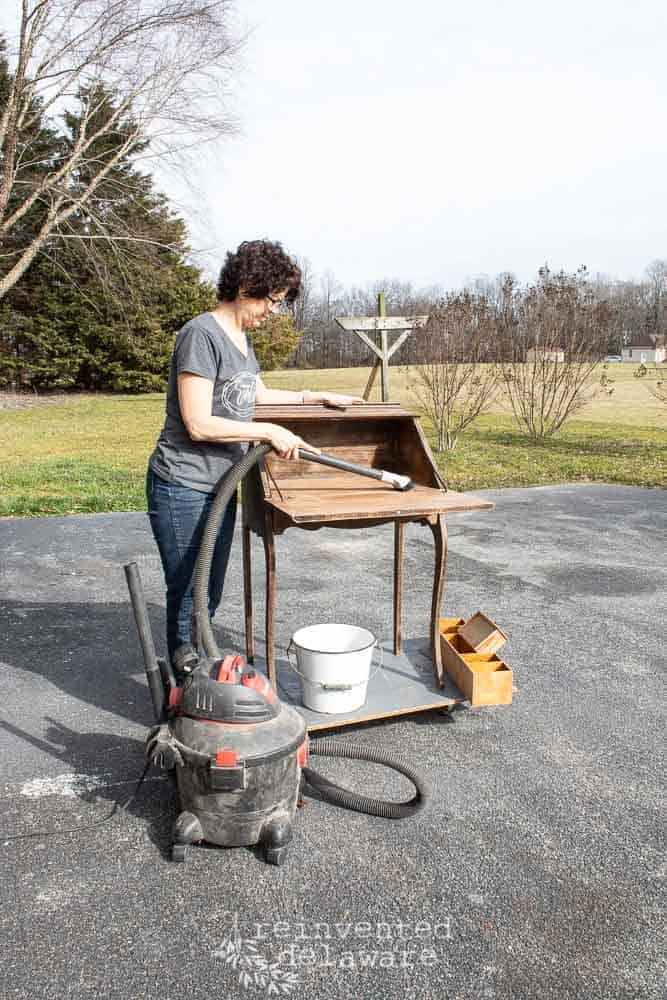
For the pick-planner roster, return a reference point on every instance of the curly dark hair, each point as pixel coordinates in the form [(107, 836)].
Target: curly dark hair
[(259, 267)]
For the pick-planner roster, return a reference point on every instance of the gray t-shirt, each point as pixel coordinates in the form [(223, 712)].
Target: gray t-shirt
[(203, 348)]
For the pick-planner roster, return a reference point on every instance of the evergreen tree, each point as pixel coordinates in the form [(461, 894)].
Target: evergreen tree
[(96, 310), (274, 341)]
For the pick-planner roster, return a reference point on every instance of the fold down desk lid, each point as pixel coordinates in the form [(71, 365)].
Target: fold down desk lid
[(338, 498)]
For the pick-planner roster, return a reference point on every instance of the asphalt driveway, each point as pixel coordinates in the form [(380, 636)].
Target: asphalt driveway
[(536, 870)]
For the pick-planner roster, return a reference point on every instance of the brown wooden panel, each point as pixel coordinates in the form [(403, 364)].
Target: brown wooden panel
[(380, 437), (429, 455), (415, 456), (343, 433), (375, 455), (279, 413), (378, 444), (332, 502)]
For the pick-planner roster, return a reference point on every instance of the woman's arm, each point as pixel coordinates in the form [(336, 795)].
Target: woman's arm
[(195, 398), (265, 395)]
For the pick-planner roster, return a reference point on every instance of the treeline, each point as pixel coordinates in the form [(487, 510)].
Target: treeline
[(629, 312)]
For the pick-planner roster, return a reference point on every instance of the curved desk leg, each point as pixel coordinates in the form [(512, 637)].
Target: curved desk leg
[(270, 558), (399, 545), (439, 529), (247, 593)]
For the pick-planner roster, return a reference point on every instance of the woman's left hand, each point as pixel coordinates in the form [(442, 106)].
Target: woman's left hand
[(338, 400)]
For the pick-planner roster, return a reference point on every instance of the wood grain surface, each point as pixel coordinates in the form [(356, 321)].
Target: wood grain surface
[(345, 496)]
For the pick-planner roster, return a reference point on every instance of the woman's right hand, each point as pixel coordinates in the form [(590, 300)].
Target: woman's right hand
[(286, 444)]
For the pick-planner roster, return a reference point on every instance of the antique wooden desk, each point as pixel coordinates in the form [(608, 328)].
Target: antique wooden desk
[(279, 494)]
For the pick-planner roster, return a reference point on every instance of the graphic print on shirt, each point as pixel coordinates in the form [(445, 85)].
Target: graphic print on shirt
[(238, 395)]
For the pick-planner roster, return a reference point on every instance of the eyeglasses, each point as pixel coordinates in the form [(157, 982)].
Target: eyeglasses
[(275, 303)]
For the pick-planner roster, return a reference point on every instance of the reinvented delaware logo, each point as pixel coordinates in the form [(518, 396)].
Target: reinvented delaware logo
[(271, 958), (238, 395), (254, 970)]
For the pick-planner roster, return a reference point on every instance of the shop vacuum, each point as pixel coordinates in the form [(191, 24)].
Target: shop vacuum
[(238, 755)]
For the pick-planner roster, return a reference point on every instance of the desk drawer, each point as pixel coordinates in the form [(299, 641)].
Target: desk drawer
[(483, 678)]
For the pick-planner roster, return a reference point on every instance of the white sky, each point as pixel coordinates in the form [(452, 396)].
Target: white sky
[(434, 142)]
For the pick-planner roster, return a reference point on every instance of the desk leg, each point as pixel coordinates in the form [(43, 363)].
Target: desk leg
[(439, 529), (270, 558), (247, 594), (399, 544)]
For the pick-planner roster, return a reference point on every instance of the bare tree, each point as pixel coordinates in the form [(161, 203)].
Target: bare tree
[(136, 70), (330, 291), (656, 273), (558, 335), (303, 307), (454, 387)]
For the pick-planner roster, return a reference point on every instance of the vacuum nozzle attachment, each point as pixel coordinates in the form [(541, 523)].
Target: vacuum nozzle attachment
[(402, 483)]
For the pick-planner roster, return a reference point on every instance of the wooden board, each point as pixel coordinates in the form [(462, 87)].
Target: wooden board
[(347, 497), (402, 686), (371, 323), (281, 412)]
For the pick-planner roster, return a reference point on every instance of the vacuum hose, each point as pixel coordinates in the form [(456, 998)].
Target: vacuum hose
[(327, 790), (361, 803), (226, 490)]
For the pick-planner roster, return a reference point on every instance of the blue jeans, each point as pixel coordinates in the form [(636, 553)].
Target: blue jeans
[(178, 517)]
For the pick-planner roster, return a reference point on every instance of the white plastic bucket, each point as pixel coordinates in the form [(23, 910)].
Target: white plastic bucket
[(333, 662)]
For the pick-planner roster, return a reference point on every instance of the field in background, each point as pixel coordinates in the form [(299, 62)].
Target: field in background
[(87, 454), (630, 402)]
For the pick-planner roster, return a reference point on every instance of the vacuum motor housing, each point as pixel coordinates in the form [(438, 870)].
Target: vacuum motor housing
[(242, 751)]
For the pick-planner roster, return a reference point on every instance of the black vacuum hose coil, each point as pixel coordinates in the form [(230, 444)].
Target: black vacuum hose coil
[(326, 789), (362, 803)]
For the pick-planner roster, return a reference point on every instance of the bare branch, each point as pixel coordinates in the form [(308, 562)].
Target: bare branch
[(145, 70)]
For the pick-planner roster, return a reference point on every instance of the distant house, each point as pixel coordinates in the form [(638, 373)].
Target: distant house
[(545, 354), (646, 351)]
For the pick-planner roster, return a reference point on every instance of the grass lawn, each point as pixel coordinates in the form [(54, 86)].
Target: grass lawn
[(87, 454)]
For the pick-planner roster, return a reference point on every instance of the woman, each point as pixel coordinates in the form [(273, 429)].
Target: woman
[(213, 386)]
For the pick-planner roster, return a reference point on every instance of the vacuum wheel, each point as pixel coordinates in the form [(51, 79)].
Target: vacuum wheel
[(178, 852), (275, 855), (186, 830)]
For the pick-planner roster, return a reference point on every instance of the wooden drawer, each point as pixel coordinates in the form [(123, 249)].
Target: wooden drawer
[(482, 634), (483, 678)]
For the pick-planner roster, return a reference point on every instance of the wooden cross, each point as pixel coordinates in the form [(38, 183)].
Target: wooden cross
[(382, 324)]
